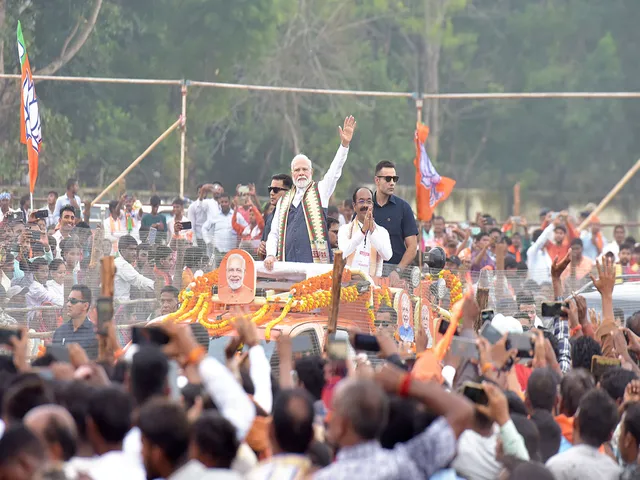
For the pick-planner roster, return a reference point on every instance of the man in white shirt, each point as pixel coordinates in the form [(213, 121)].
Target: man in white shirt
[(204, 209), (299, 230), (218, 231), (115, 225), (67, 224), (38, 293), (5, 204), (364, 244), (619, 233), (126, 275), (52, 198), (108, 421), (593, 426), (69, 198), (132, 216), (538, 261), (178, 217)]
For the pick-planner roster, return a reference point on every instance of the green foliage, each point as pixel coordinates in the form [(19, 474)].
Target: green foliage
[(96, 130)]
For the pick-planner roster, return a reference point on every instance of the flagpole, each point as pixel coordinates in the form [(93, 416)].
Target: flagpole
[(614, 191), (419, 110), (138, 160), (183, 136)]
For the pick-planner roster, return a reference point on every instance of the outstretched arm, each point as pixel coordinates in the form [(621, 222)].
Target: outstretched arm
[(327, 185)]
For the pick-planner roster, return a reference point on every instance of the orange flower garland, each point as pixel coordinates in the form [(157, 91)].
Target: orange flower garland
[(454, 285), (305, 296)]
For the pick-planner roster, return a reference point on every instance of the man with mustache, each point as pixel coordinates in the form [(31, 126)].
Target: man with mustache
[(299, 227), (364, 244), (235, 291)]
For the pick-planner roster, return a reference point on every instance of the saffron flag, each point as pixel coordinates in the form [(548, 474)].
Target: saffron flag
[(431, 188), (30, 127)]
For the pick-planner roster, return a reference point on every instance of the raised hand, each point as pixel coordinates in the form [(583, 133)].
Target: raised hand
[(606, 276), (559, 266), (346, 131)]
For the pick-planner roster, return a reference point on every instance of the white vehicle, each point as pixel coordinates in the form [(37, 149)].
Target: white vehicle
[(626, 296), (100, 211)]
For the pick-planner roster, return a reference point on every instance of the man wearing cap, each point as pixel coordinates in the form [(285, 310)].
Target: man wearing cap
[(5, 205)]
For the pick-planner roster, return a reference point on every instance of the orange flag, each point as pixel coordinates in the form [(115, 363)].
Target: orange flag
[(431, 188), (30, 127)]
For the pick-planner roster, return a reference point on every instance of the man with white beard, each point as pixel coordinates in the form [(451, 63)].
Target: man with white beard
[(235, 291), (299, 226)]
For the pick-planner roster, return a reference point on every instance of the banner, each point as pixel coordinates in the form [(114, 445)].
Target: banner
[(431, 188), (30, 127)]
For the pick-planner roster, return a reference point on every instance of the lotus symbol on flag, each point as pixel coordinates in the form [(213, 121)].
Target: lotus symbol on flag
[(31, 116)]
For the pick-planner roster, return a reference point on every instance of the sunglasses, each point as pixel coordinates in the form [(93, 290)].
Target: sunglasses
[(277, 189), (388, 178), (75, 301)]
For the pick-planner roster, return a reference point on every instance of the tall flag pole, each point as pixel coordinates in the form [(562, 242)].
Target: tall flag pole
[(431, 188), (30, 126)]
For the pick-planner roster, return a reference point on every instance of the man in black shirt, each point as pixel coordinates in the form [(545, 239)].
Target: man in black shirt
[(280, 184), (79, 329), (394, 214)]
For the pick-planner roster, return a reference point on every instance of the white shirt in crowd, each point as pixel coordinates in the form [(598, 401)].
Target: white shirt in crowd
[(199, 212), (115, 228), (51, 220), (126, 277), (65, 200), (226, 393), (116, 464), (58, 237), (37, 295), (56, 290), (612, 247), (379, 240), (219, 231), (326, 187), (538, 260), (2, 214), (260, 373), (588, 248), (583, 462)]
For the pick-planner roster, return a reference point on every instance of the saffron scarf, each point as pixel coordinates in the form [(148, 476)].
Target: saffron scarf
[(312, 209)]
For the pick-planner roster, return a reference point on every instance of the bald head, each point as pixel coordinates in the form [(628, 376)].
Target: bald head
[(55, 427), (364, 405)]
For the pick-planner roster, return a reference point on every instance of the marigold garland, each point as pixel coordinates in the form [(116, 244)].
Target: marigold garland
[(274, 322), (454, 285), (306, 296)]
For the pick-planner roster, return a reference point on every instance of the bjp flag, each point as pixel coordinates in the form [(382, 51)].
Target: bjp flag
[(431, 188), (30, 127)]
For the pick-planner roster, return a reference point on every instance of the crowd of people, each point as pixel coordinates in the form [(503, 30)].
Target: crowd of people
[(464, 401), (567, 409)]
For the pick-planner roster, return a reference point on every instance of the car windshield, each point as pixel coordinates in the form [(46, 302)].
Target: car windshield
[(218, 344)]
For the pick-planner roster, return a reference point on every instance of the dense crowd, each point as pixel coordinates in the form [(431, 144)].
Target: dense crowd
[(501, 389)]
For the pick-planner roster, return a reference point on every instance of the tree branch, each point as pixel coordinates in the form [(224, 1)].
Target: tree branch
[(79, 35)]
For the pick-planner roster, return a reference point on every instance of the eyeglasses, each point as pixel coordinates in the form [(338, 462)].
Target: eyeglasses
[(388, 178), (365, 202), (75, 301), (277, 189)]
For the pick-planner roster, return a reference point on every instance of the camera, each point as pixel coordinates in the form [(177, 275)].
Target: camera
[(435, 259)]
